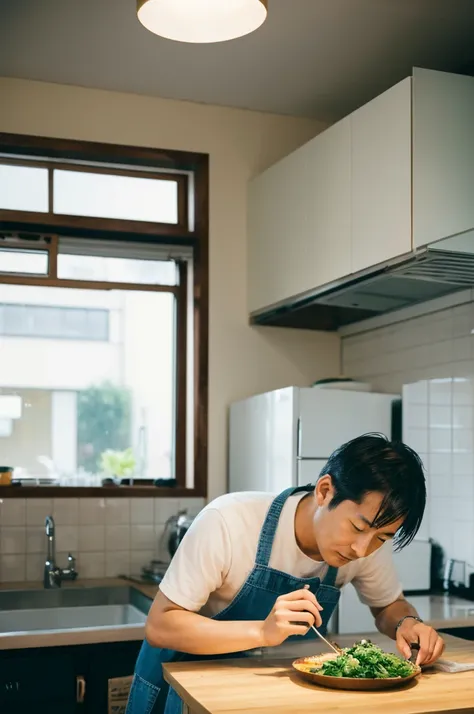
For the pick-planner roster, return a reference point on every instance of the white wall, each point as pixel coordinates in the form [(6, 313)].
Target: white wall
[(243, 360)]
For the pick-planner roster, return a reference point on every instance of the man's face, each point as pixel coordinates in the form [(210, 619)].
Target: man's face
[(345, 533)]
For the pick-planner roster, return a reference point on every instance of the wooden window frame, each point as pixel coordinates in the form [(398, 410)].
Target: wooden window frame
[(61, 153)]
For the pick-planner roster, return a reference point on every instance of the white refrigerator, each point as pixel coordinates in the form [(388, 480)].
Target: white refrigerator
[(285, 437)]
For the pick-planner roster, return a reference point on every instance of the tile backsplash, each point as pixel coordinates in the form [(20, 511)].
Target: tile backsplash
[(440, 344), (108, 536), (433, 356)]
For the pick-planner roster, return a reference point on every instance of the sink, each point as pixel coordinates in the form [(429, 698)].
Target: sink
[(71, 608)]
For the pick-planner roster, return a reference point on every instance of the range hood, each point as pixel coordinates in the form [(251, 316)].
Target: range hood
[(439, 269)]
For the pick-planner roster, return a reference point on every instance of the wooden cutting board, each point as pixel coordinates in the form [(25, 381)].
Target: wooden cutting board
[(237, 686)]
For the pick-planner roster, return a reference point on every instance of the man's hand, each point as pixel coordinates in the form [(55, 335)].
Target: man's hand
[(430, 643), (292, 614)]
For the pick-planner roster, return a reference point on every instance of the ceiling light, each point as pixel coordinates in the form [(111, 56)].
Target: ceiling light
[(201, 21)]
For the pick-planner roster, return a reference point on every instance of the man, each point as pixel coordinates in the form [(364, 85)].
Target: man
[(255, 569)]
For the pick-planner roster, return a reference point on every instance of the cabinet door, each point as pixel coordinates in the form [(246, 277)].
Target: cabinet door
[(443, 155), (381, 178), (299, 220)]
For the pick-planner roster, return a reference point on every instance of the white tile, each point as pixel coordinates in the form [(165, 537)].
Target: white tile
[(91, 511), (463, 440), (142, 537), (440, 464), (117, 563), (415, 416), (161, 547), (442, 533), (142, 511), (463, 509), (36, 540), (417, 439), (117, 538), (463, 539), (13, 540), (66, 511), (463, 391), (67, 538), (139, 558), (91, 565), (13, 568), (13, 512), (440, 440), (164, 508), (34, 567), (91, 538), (416, 393), (192, 505), (440, 486), (463, 486), (117, 511), (440, 392), (37, 509), (440, 416), (463, 417), (463, 464)]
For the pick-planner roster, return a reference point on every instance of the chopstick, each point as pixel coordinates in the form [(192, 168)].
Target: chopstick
[(329, 644)]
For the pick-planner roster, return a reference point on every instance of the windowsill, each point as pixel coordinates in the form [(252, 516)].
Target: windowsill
[(98, 492)]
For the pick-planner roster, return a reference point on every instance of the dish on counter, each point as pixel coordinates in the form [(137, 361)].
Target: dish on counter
[(363, 666)]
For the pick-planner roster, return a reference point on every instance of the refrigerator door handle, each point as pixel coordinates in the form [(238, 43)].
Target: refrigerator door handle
[(298, 438)]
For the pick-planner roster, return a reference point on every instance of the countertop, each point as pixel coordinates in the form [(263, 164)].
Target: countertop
[(439, 610), (264, 684)]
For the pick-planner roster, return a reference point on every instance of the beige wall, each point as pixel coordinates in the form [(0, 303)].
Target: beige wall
[(243, 360)]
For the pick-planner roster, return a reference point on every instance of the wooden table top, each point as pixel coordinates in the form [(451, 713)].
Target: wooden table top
[(259, 685)]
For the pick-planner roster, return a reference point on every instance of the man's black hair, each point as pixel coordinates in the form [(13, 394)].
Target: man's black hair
[(374, 463)]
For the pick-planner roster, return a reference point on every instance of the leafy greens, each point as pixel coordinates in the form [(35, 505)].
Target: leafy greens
[(365, 660)]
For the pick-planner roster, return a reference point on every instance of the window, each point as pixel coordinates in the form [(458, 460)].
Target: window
[(103, 316), (72, 323), (77, 193), (23, 188), (95, 372), (24, 262)]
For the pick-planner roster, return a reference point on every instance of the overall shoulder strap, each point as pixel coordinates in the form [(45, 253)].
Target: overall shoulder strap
[(270, 524)]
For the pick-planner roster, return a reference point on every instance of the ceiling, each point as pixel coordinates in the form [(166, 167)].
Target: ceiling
[(314, 58)]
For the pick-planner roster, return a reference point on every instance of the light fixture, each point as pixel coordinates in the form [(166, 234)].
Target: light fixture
[(202, 21)]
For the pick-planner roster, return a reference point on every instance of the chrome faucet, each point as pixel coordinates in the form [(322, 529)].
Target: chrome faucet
[(53, 575)]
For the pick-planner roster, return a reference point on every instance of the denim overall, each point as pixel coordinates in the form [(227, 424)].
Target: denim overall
[(150, 694)]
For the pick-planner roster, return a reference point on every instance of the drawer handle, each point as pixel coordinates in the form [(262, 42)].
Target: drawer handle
[(80, 689)]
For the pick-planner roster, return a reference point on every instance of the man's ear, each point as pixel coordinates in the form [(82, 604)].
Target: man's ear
[(324, 490)]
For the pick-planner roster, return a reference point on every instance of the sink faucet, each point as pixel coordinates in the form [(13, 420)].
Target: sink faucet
[(53, 575)]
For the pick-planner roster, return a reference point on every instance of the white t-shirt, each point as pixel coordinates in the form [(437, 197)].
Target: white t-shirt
[(218, 552)]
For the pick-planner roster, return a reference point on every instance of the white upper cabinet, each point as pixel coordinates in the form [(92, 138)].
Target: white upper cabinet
[(443, 155), (299, 220), (381, 178), (393, 177)]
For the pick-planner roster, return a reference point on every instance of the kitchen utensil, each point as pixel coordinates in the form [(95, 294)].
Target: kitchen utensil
[(347, 682), (175, 529), (335, 649), (415, 648)]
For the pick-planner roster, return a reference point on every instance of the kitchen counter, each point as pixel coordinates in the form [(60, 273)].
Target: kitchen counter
[(439, 610), (262, 684)]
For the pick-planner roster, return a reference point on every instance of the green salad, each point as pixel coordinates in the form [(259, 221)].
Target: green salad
[(366, 661)]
